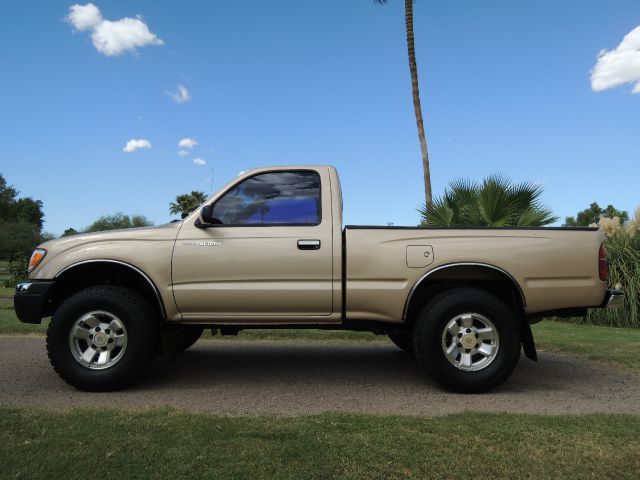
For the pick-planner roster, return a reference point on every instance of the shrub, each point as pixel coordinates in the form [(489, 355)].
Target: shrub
[(18, 265), (623, 255)]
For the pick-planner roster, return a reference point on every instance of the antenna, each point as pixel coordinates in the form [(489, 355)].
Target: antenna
[(212, 179)]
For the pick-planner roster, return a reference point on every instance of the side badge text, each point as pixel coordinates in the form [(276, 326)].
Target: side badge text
[(210, 243)]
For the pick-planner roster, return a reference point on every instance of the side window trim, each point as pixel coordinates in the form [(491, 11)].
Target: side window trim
[(320, 217)]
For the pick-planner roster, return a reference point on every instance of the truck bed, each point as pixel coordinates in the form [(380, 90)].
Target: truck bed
[(553, 267)]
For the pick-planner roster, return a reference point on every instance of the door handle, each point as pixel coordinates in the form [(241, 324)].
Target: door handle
[(308, 244)]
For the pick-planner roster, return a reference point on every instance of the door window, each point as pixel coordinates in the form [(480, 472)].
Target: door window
[(276, 198)]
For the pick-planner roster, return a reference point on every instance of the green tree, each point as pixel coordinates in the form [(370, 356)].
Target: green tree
[(187, 203), (20, 222), (46, 236), (8, 195), (17, 238), (496, 202), (13, 209), (413, 69), (69, 231), (118, 221), (29, 210), (592, 215)]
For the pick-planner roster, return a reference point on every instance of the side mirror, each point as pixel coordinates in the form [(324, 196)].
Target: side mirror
[(205, 219), (205, 213)]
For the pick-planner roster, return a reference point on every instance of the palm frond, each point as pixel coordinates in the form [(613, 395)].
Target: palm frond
[(535, 217), (524, 194), (463, 191), (494, 203), (438, 214)]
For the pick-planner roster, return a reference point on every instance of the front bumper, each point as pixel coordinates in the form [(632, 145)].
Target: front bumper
[(613, 299), (31, 301)]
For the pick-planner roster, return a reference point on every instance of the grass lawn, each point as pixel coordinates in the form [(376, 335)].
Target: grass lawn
[(9, 324), (618, 346), (165, 443)]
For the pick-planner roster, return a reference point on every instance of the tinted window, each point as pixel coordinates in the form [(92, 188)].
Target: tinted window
[(272, 198)]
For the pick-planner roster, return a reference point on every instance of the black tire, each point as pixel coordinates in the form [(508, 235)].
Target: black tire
[(185, 336), (428, 340), (404, 341), (142, 333)]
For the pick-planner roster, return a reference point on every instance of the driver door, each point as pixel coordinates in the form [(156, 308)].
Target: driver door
[(269, 259)]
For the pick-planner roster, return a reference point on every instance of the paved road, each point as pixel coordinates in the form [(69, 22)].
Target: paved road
[(292, 378)]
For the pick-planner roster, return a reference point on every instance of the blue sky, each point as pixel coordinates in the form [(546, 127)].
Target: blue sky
[(505, 88)]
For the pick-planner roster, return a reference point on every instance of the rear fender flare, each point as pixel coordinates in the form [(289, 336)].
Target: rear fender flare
[(528, 343)]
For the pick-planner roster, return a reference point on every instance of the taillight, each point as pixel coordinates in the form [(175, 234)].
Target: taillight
[(602, 263)]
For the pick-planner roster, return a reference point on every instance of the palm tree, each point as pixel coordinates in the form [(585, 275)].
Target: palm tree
[(497, 202), (413, 68), (187, 203)]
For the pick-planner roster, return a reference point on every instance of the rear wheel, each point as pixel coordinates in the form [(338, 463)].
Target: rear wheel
[(467, 340), (102, 338)]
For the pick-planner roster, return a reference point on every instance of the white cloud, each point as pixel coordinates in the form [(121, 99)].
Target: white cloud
[(181, 95), (199, 161), (133, 145), (187, 142), (619, 66), (183, 153), (83, 17), (111, 38)]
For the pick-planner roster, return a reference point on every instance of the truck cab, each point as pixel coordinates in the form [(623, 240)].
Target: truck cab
[(269, 249)]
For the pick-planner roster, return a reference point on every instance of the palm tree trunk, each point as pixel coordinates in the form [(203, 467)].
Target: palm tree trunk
[(413, 67)]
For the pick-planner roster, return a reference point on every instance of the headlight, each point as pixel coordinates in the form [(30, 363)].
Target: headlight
[(36, 257)]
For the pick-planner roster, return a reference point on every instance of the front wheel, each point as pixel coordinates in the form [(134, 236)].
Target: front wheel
[(467, 340), (102, 338)]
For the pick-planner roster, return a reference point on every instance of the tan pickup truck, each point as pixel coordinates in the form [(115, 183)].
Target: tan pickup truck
[(269, 251)]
